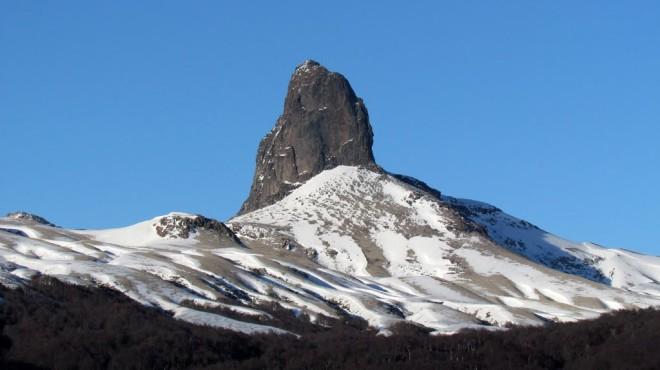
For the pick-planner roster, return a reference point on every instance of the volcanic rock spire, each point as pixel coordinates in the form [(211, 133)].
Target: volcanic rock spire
[(324, 125)]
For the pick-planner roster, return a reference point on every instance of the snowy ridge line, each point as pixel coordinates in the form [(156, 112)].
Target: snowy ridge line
[(348, 241), (399, 231), (618, 268)]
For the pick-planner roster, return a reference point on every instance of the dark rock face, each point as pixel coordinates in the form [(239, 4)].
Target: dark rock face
[(419, 184), (29, 217), (324, 125), (180, 227), (15, 232)]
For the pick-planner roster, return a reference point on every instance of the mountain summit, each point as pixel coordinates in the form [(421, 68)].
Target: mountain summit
[(324, 125)]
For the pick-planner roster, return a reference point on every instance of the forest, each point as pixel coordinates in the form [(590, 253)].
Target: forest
[(51, 325)]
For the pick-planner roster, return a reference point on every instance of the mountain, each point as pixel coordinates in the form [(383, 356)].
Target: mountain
[(326, 234), (324, 124), (618, 268)]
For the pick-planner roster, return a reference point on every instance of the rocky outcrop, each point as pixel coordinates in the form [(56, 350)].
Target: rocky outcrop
[(324, 125), (181, 227), (24, 216)]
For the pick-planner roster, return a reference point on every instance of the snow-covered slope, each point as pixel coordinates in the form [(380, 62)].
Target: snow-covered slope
[(615, 267), (348, 241), (374, 225), (155, 271), (180, 275)]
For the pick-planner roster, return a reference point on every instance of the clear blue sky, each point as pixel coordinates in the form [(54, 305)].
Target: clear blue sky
[(112, 112)]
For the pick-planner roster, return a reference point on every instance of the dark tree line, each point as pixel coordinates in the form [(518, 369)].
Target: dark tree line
[(53, 325)]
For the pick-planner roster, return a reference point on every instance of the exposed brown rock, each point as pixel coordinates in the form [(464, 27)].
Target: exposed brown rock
[(30, 217), (324, 125), (176, 226)]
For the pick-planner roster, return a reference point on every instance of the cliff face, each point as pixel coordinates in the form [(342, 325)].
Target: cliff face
[(324, 125)]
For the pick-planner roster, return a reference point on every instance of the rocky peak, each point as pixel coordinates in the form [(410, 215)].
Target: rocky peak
[(25, 216), (324, 125)]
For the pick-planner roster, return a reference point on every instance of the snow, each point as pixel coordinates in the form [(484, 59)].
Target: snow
[(426, 256), (332, 195), (217, 321), (141, 234), (615, 267), (306, 67), (428, 263), (385, 251)]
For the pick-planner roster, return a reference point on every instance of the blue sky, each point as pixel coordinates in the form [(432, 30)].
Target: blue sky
[(115, 112)]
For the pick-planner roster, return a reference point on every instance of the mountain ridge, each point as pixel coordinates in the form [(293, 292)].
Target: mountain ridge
[(326, 233)]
